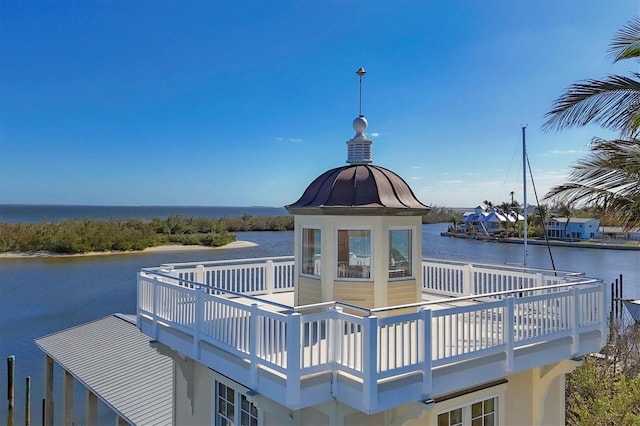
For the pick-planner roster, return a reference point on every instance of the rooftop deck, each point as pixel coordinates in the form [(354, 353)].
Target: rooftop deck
[(476, 323)]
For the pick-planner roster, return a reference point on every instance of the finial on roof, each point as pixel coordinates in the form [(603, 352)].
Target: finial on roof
[(360, 73), (359, 148)]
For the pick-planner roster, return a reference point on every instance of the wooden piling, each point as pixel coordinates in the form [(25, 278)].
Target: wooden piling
[(11, 371), (27, 402)]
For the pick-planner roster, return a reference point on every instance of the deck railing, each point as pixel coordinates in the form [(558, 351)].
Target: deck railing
[(379, 345), (453, 278)]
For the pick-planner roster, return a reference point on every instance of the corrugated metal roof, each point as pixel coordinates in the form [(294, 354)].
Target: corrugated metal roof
[(113, 359)]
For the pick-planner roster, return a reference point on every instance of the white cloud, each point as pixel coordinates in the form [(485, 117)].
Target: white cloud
[(291, 140), (375, 134)]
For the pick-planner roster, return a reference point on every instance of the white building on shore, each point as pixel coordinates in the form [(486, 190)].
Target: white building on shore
[(357, 328)]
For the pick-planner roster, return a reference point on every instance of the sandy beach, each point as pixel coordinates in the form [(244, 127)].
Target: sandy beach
[(165, 248)]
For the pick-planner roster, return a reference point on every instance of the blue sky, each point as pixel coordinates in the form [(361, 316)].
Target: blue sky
[(245, 103)]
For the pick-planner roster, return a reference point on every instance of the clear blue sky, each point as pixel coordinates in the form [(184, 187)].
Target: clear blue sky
[(245, 103)]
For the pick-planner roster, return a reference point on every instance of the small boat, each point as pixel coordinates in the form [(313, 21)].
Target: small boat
[(633, 306)]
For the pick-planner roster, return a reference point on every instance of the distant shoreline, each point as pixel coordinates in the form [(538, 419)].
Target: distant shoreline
[(554, 243), (157, 249)]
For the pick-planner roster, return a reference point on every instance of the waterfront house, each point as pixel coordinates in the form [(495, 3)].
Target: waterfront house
[(573, 228), (619, 233), (356, 327), (487, 220)]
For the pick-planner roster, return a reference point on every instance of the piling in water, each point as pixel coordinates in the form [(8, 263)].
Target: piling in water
[(27, 403), (11, 371)]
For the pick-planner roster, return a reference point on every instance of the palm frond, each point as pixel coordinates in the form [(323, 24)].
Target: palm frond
[(613, 102), (626, 42), (609, 178)]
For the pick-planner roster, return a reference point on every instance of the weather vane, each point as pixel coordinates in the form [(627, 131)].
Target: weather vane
[(360, 73)]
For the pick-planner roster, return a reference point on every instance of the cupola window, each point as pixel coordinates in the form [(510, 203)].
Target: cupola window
[(311, 254), (354, 253), (400, 253)]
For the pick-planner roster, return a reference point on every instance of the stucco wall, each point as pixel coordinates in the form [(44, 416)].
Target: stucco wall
[(193, 389)]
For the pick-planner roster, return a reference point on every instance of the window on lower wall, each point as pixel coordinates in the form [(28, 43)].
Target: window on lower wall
[(230, 411), (400, 253), (481, 413), (311, 251), (354, 253)]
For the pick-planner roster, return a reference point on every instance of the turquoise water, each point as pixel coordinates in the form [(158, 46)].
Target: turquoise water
[(44, 295)]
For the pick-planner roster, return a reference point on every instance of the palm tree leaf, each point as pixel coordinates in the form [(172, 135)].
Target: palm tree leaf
[(607, 178), (613, 102), (626, 42)]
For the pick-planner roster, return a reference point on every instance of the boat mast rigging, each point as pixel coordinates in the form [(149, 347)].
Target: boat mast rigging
[(524, 191)]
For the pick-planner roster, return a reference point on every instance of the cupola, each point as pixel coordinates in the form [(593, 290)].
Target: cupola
[(358, 232)]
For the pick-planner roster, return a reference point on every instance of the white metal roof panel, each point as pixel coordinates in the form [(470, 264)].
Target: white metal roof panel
[(113, 359)]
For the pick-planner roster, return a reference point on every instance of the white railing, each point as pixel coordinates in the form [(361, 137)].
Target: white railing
[(372, 347), (243, 276), (453, 278)]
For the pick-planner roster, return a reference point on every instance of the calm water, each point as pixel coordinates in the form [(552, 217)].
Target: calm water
[(42, 296)]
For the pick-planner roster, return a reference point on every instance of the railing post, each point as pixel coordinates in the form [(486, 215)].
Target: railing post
[(424, 333), (269, 276), (467, 281), (198, 320), (575, 319), (370, 363), (601, 314), (509, 335), (425, 276), (200, 274), (293, 343), (155, 302), (539, 280), (334, 338), (254, 344)]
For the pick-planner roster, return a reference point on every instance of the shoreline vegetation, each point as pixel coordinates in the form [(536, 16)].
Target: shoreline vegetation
[(92, 237)]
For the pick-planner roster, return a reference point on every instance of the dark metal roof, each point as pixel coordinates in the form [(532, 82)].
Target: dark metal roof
[(359, 189)]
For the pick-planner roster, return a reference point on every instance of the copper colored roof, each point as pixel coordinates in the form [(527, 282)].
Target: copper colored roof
[(358, 189)]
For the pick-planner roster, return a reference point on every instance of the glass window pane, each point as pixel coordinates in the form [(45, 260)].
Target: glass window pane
[(311, 251), (230, 411), (476, 422), (489, 420), (476, 410), (244, 420), (354, 254), (488, 406), (443, 419), (456, 416), (400, 253)]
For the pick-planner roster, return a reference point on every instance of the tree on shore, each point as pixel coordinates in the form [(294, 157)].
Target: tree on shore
[(605, 390), (608, 178)]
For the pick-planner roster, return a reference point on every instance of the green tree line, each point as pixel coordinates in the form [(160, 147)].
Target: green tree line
[(91, 235)]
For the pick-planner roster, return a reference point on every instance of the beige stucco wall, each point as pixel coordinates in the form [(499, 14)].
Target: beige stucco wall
[(193, 392), (533, 397)]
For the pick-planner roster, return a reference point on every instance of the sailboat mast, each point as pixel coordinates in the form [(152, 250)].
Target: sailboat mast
[(524, 191)]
